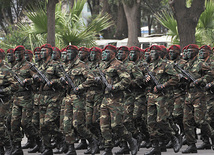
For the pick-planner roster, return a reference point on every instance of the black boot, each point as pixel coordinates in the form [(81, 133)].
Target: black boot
[(82, 145), (47, 151), (1, 150), (190, 149), (37, 147), (17, 149), (212, 139), (94, 146), (133, 146), (107, 151), (169, 145), (205, 145), (155, 149), (30, 144), (176, 143), (71, 150), (63, 148), (124, 149), (163, 146), (8, 148)]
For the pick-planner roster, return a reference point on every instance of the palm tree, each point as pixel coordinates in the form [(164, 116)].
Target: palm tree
[(69, 26), (204, 29)]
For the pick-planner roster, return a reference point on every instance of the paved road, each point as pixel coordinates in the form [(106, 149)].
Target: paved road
[(142, 151)]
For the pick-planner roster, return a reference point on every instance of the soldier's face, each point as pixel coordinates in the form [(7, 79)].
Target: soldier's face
[(191, 53), (82, 55), (203, 54), (154, 55), (134, 55), (27, 57), (147, 56), (185, 56), (64, 56), (71, 54), (10, 57), (55, 55), (93, 56), (44, 53), (106, 55), (37, 56), (121, 55), (173, 54), (19, 55)]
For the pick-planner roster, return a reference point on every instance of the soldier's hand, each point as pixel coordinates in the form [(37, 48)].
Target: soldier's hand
[(36, 78), (148, 78), (63, 81), (109, 87), (182, 77), (97, 79), (76, 90), (208, 86), (197, 82), (159, 87)]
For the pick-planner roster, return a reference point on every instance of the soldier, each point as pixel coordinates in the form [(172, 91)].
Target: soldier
[(7, 85), (158, 113), (204, 55), (194, 108), (70, 137), (111, 111), (94, 96), (22, 104), (50, 105), (11, 59), (29, 55), (37, 98), (184, 55)]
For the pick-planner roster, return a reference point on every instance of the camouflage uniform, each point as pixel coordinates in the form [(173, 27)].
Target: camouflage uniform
[(194, 108), (6, 82)]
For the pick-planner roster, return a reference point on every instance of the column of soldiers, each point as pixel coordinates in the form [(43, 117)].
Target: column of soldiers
[(106, 97)]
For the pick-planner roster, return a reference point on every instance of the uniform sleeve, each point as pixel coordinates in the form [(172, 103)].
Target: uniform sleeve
[(173, 77), (88, 75), (139, 78), (206, 73), (12, 86), (125, 79)]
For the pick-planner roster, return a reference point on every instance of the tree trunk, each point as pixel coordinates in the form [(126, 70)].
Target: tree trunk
[(51, 21), (121, 28), (187, 19), (132, 20)]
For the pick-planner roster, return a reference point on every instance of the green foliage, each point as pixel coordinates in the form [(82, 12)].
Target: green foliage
[(204, 29)]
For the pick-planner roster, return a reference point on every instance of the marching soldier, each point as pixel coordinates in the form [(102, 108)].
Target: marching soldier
[(117, 80), (29, 55), (11, 59)]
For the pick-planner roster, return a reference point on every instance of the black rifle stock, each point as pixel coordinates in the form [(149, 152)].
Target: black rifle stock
[(185, 73), (42, 76)]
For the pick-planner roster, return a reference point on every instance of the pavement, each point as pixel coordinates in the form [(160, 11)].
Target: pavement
[(140, 152)]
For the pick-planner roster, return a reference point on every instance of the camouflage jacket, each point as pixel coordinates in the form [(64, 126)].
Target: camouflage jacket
[(164, 73), (116, 75)]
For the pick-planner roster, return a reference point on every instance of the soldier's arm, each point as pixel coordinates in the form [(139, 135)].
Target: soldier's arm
[(174, 79)]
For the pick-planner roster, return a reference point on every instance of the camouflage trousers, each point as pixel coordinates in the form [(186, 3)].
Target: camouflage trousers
[(93, 102), (158, 116), (194, 115), (111, 116), (49, 115), (79, 117), (68, 128), (5, 113), (210, 109)]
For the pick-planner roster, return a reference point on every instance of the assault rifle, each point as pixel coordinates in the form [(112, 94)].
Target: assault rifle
[(152, 76), (67, 78), (15, 76), (42, 76), (103, 78)]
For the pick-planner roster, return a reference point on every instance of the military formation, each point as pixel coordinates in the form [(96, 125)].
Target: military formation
[(103, 98)]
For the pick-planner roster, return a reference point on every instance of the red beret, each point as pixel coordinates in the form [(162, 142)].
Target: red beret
[(56, 49), (64, 50), (147, 49), (162, 47), (72, 47), (84, 49), (46, 46), (155, 47), (110, 47), (123, 48), (10, 50), (175, 47), (28, 52), (206, 47), (37, 49), (192, 46), (134, 48), (97, 49), (1, 50), (19, 48)]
